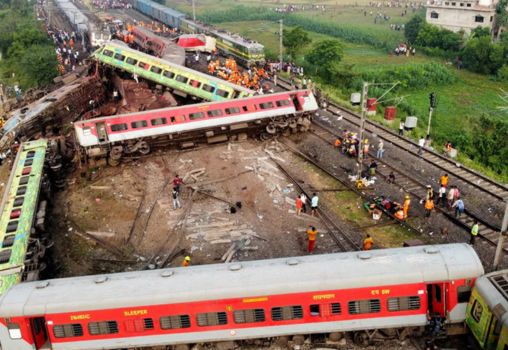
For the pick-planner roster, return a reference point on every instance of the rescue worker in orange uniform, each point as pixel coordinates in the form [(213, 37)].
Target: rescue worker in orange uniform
[(368, 243), (311, 233), (444, 180), (407, 201), (186, 261), (429, 206)]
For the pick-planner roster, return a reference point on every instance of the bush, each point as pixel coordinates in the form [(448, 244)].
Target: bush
[(409, 75), (502, 73)]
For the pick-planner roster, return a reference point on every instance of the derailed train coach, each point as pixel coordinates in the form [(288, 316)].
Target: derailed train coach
[(345, 292)]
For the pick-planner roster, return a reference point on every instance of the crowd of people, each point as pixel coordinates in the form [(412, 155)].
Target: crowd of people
[(228, 69), (67, 50), (297, 8), (111, 4)]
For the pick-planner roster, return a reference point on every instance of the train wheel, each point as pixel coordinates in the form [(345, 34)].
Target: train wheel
[(265, 136), (144, 148), (271, 128), (113, 162), (361, 338)]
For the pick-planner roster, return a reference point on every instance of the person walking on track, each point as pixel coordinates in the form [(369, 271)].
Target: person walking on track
[(474, 232), (314, 202), (311, 233)]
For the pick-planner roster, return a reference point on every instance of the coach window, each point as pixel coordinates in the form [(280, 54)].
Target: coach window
[(194, 83), (119, 127), (182, 79), (403, 303), (175, 322), (222, 93), (463, 294), (30, 154), (5, 256), (249, 316), (18, 201), (131, 61), (282, 103), (12, 226), (168, 74), (68, 330), (211, 319), (208, 88), (287, 313), (364, 306), (139, 124), (107, 53), (314, 310), (155, 70), (119, 57), (232, 110), (105, 327), (197, 115), (476, 311), (158, 121), (266, 105), (139, 325), (24, 180), (335, 309), (21, 191), (143, 65), (215, 113), (8, 241), (28, 162), (14, 330)]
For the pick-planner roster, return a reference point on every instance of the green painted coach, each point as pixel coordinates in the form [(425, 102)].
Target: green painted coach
[(19, 208), (181, 79), (487, 311)]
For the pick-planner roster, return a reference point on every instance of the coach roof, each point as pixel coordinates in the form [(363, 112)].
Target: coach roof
[(253, 278)]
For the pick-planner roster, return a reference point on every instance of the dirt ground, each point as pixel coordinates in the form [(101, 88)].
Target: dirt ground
[(124, 219)]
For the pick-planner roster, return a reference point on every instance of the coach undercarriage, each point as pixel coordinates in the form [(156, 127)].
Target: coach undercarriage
[(112, 152)]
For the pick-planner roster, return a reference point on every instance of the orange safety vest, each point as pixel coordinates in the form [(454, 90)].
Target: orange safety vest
[(429, 204), (311, 234), (368, 243)]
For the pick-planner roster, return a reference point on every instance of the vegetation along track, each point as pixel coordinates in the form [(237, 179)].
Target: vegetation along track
[(417, 190)]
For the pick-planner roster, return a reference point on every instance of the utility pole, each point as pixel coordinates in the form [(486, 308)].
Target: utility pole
[(193, 11), (499, 248), (280, 42), (365, 93), (432, 98)]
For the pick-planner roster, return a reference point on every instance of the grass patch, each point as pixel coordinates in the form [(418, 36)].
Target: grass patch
[(393, 236)]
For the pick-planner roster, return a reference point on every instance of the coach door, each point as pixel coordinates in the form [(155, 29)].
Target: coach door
[(297, 103), (436, 295), (102, 134), (40, 333)]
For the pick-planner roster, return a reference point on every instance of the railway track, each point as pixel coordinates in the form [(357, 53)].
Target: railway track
[(469, 176), (489, 231), (342, 238), (417, 189)]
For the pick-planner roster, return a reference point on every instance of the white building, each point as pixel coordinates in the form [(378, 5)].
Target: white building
[(457, 15)]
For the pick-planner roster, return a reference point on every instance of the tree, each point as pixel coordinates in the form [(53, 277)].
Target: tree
[(478, 32), (295, 40), (37, 66), (412, 28), (482, 56), (324, 55)]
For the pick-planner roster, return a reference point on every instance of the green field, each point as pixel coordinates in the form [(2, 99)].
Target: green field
[(459, 103)]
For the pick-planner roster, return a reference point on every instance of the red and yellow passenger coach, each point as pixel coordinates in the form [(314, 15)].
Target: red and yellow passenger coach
[(391, 288)]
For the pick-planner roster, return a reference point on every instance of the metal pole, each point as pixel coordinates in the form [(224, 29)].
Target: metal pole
[(365, 92), (193, 11), (499, 248), (430, 119), (280, 43)]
